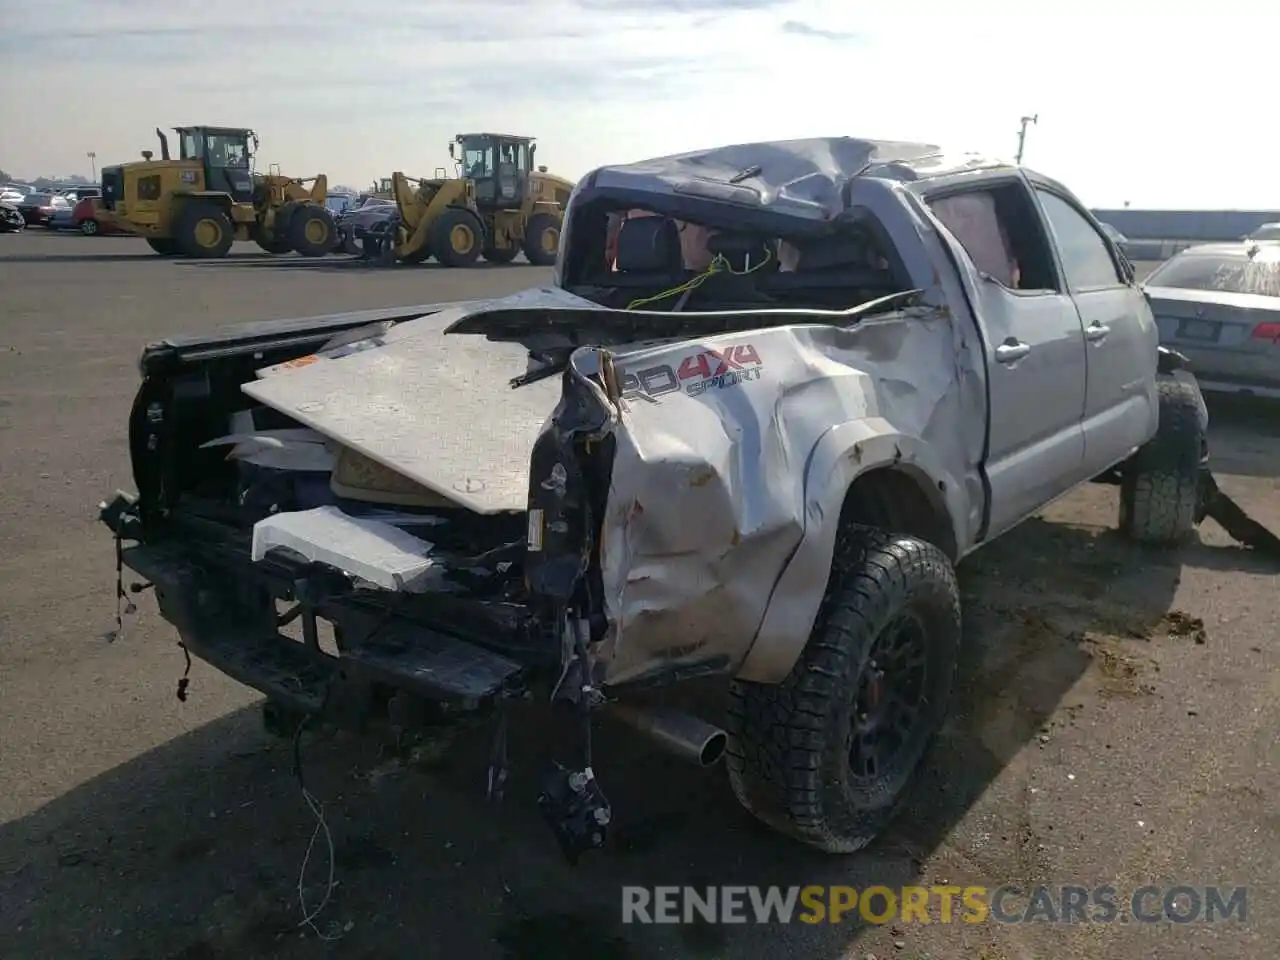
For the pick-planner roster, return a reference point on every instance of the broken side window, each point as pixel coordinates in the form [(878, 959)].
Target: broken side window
[(1001, 231)]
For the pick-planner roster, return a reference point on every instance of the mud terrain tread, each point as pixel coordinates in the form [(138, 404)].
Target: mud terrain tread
[(1159, 492), (787, 742)]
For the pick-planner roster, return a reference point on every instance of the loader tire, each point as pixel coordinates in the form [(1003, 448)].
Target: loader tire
[(269, 242), (541, 239), (500, 255), (802, 754), (421, 255), (204, 231), (165, 246), (457, 238), (1160, 484), (312, 230)]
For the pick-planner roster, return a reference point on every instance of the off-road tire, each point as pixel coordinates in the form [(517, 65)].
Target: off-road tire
[(1160, 483), (421, 255), (165, 246), (443, 239), (500, 255), (532, 246), (788, 753), (269, 242), (187, 229), (305, 226)]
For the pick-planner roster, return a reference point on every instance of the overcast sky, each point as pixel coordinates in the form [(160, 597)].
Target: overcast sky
[(1161, 104)]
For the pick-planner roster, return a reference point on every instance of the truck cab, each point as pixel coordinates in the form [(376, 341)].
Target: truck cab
[(224, 155), (500, 165), (214, 159)]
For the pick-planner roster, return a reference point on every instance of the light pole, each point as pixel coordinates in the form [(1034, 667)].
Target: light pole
[(93, 165), (1022, 134)]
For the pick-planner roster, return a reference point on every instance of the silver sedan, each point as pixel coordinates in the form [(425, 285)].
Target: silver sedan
[(1219, 304)]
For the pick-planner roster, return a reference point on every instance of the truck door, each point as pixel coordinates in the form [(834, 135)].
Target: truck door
[(1121, 338), (1034, 347)]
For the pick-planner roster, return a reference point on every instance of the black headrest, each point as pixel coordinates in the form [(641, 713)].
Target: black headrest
[(648, 245), (836, 253)]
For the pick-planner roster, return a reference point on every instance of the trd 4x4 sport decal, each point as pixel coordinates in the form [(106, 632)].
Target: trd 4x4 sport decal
[(694, 374)]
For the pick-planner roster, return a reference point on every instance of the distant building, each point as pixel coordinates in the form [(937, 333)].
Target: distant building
[(1159, 234)]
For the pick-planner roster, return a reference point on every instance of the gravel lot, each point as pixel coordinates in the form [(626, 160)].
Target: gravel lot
[(1117, 722)]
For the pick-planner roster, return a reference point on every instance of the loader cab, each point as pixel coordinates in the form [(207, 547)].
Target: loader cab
[(499, 164), (226, 153)]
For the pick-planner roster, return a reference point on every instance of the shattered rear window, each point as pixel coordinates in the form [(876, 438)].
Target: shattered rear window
[(1258, 275)]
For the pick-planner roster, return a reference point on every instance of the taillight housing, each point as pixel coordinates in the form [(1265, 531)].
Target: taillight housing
[(1267, 331)]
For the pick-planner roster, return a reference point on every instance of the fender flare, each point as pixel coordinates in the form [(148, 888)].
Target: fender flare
[(841, 455)]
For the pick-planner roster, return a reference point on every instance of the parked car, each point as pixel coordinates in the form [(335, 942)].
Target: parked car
[(14, 193), (87, 216), (38, 208), (340, 203), (753, 445), (63, 217), (354, 226), (1219, 304), (1268, 231), (11, 218)]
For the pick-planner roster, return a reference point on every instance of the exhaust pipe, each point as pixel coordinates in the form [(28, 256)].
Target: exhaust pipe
[(678, 732)]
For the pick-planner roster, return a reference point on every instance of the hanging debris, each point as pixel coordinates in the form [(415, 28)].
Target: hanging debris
[(1228, 514)]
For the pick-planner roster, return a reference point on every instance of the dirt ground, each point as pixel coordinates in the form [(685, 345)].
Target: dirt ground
[(1117, 719)]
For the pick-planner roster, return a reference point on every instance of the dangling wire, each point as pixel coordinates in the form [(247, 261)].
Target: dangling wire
[(718, 265)]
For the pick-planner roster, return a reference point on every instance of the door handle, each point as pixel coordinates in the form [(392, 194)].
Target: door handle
[(1009, 352), (1096, 331)]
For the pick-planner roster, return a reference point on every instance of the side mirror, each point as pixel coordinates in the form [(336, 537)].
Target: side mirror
[(452, 155)]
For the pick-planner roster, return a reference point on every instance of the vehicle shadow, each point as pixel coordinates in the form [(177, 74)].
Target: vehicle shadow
[(337, 262), (104, 257), (193, 851)]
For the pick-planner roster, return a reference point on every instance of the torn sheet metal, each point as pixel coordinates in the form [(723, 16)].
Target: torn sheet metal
[(344, 345), (708, 499), (728, 483), (373, 551), (275, 333), (288, 449), (798, 178), (437, 409), (732, 454)]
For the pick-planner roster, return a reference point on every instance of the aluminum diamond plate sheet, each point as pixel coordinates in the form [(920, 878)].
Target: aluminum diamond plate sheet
[(437, 409)]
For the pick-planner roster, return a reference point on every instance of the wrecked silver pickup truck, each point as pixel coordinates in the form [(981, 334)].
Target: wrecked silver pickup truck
[(775, 394)]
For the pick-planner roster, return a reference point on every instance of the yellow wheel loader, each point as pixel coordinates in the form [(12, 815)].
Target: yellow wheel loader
[(200, 203), (497, 207), (436, 217)]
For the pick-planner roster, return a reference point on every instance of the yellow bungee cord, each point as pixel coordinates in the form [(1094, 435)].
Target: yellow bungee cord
[(718, 265)]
